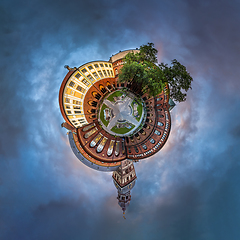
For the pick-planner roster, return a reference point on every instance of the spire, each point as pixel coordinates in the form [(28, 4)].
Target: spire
[(124, 179)]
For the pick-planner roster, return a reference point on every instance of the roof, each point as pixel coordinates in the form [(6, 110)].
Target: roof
[(121, 55)]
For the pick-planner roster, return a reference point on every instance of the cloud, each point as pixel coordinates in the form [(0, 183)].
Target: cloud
[(187, 191)]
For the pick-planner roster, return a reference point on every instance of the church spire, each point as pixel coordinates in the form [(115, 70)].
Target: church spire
[(124, 179)]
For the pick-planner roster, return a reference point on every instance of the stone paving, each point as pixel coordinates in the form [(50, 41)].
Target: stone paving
[(122, 113)]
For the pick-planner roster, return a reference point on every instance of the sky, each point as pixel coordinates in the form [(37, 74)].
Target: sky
[(188, 190)]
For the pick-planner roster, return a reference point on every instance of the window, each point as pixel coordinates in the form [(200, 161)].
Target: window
[(80, 89), (81, 120), (90, 77), (96, 66), (91, 110), (71, 84), (84, 70), (129, 150), (101, 64), (90, 67), (96, 95), (160, 124), (105, 73), (152, 141), (67, 100), (95, 75), (136, 149), (77, 111), (92, 103), (102, 89), (85, 82), (106, 65), (76, 102), (100, 73), (157, 132), (108, 72), (77, 75), (144, 147), (91, 132)]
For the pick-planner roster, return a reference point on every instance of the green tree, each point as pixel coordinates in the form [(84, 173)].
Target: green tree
[(145, 76)]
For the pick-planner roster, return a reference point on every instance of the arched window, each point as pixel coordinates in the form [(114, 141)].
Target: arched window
[(102, 88), (96, 95), (92, 103), (91, 110), (144, 147), (157, 132), (109, 86), (136, 149), (152, 141)]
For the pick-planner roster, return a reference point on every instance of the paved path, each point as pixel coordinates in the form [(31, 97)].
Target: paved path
[(122, 110)]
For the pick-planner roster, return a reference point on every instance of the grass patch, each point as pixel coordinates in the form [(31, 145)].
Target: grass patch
[(115, 94), (139, 109), (102, 115), (122, 130)]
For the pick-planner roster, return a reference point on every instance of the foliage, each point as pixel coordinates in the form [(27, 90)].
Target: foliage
[(141, 69), (178, 79)]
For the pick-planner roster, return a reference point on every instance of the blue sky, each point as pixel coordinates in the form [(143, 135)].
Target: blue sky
[(189, 190)]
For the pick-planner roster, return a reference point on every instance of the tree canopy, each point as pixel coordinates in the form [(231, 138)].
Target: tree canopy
[(143, 72)]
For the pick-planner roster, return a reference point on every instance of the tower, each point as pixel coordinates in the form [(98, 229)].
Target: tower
[(124, 179)]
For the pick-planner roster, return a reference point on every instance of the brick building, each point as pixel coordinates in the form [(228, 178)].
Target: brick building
[(112, 125)]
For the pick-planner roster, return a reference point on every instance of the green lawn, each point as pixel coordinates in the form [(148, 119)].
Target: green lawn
[(115, 94), (122, 130), (102, 115), (139, 109)]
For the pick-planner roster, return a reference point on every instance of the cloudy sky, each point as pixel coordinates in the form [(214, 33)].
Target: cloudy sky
[(189, 190)]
